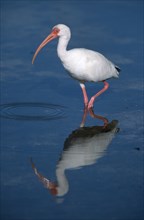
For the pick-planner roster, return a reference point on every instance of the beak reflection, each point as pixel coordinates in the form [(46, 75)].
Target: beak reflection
[(83, 147)]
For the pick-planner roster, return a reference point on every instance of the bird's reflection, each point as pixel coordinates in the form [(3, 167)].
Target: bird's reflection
[(83, 147)]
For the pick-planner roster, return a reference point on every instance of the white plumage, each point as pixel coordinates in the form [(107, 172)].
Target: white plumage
[(82, 64), (87, 65), (83, 147)]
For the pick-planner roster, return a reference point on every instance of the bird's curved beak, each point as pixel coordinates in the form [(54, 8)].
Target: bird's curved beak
[(47, 39), (46, 182)]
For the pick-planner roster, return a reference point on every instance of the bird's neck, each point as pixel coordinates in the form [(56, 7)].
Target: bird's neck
[(63, 185), (62, 47)]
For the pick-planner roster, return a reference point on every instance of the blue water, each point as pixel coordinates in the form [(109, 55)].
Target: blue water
[(96, 171)]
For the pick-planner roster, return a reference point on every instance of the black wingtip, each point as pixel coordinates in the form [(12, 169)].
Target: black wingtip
[(117, 68)]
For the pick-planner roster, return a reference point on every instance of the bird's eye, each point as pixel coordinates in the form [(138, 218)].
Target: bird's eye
[(56, 30)]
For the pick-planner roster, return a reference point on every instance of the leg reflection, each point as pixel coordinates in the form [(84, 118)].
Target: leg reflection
[(93, 115)]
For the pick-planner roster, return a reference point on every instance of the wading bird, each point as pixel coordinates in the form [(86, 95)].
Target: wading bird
[(82, 64)]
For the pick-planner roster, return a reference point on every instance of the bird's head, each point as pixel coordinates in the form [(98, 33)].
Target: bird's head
[(59, 30), (63, 30)]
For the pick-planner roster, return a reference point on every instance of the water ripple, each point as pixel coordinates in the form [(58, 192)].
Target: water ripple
[(32, 111)]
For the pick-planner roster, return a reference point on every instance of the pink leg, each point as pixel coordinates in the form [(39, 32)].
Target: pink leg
[(84, 94), (84, 117), (91, 102), (93, 115)]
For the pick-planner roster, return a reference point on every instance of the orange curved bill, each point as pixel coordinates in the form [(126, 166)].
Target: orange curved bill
[(47, 39), (46, 182)]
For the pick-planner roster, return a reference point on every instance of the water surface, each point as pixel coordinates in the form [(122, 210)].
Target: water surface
[(51, 168)]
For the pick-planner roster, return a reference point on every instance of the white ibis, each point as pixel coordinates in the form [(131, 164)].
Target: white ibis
[(82, 64)]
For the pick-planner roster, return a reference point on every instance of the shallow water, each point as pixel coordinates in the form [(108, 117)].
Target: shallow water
[(53, 166)]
